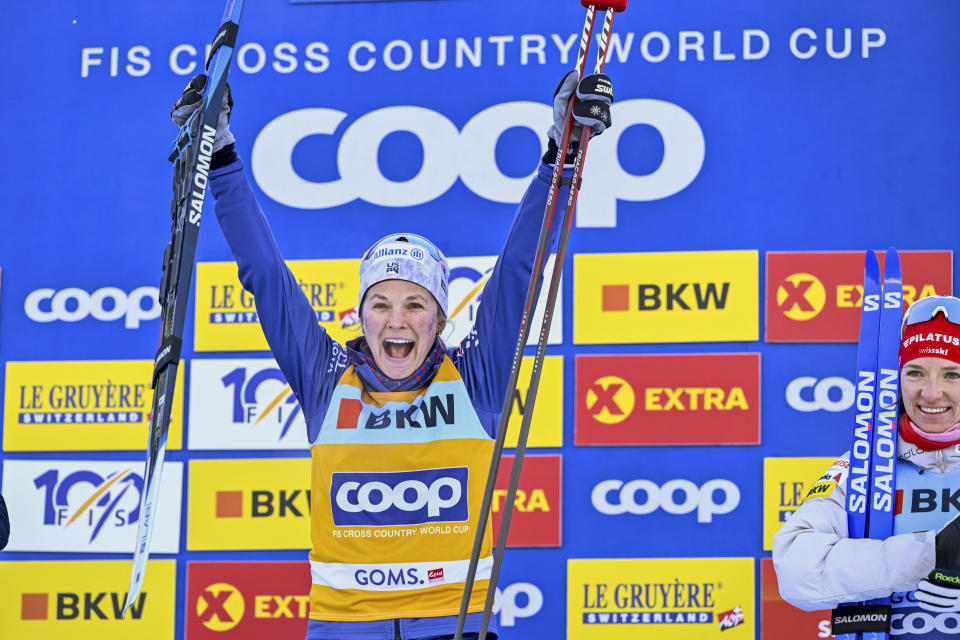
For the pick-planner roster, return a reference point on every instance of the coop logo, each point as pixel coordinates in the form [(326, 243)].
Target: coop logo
[(507, 602), (912, 623), (220, 607), (399, 498), (107, 305), (801, 296), (244, 385), (281, 503), (361, 176), (610, 400), (103, 605), (807, 394), (89, 499), (643, 497)]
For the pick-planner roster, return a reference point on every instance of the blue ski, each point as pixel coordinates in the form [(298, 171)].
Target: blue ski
[(191, 160), (873, 451), (883, 465)]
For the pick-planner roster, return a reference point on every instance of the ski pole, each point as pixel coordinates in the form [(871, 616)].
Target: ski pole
[(544, 330), (532, 289)]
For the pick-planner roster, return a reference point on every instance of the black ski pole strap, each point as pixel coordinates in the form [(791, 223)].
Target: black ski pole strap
[(859, 618), (168, 353), (226, 36)]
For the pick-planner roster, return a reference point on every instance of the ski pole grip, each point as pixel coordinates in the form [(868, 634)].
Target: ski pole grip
[(616, 5)]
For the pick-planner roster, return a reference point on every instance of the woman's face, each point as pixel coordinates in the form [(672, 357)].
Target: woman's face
[(400, 323), (931, 393)]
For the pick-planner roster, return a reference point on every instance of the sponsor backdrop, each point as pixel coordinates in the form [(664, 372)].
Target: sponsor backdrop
[(698, 384)]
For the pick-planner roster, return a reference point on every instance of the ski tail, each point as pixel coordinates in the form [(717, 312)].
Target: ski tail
[(871, 487), (191, 157)]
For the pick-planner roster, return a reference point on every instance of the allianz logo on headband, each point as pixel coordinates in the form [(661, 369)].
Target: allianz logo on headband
[(416, 254)]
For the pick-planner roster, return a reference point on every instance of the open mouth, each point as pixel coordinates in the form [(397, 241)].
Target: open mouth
[(397, 348)]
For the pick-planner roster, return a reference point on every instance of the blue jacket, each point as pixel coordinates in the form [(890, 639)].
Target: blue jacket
[(312, 362)]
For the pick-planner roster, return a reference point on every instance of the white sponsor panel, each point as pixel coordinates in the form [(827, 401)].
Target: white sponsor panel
[(86, 506), (395, 576), (243, 404), (807, 394), (641, 497), (507, 602), (468, 154), (106, 304), (468, 277)]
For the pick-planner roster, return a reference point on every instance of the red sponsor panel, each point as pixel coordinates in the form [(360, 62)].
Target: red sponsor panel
[(782, 621), (536, 511), (247, 600), (816, 296), (700, 398)]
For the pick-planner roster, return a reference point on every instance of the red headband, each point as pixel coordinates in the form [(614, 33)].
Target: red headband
[(937, 338)]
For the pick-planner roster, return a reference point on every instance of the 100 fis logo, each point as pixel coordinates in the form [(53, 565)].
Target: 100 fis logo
[(87, 497)]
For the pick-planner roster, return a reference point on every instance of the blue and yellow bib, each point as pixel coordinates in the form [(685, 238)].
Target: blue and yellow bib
[(399, 480)]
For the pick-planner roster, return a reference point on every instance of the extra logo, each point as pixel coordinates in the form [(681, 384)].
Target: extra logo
[(683, 297), (243, 404), (227, 318), (801, 296), (817, 296), (538, 505), (399, 498), (85, 506), (676, 497), (667, 399), (107, 304), (248, 599), (610, 400)]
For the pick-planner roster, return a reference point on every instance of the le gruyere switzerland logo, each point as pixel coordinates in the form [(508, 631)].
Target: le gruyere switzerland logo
[(610, 400), (801, 296)]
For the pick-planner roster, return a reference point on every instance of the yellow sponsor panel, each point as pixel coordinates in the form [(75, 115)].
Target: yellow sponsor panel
[(786, 482), (710, 296), (83, 600), (663, 598), (226, 316), (249, 504), (83, 406), (546, 427)]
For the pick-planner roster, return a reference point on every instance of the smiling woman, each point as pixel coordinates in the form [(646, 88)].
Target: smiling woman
[(820, 567), (400, 426)]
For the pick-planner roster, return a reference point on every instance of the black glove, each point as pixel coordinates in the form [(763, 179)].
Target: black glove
[(939, 592), (189, 102), (594, 95), (948, 546)]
